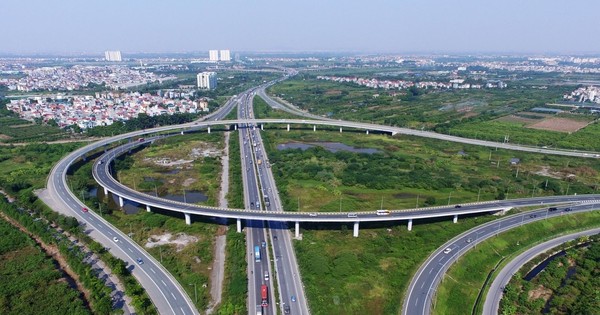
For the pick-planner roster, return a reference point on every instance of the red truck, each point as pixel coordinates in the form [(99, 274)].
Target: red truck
[(264, 295)]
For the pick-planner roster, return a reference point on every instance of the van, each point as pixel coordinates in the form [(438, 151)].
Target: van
[(383, 212), (266, 276), (352, 215)]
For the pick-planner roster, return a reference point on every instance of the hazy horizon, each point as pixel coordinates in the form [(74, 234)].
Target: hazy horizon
[(551, 27)]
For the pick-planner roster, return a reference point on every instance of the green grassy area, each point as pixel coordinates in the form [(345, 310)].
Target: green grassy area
[(457, 296), (263, 110), (568, 284), (369, 274), (408, 169), (24, 168), (585, 139), (416, 109), (192, 169), (235, 284), (31, 283)]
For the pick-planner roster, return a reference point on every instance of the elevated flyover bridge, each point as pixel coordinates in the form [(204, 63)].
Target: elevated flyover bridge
[(102, 174)]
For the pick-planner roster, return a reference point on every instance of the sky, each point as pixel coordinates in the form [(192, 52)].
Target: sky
[(374, 26)]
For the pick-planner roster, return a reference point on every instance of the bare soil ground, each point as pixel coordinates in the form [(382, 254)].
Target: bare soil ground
[(181, 240), (540, 292), (559, 124)]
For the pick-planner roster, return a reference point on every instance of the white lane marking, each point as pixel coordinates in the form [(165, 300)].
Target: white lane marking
[(109, 233), (430, 270), (422, 285), (163, 282), (129, 249), (152, 270), (182, 311), (173, 295)]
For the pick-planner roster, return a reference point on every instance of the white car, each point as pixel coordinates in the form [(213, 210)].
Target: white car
[(115, 239), (447, 250)]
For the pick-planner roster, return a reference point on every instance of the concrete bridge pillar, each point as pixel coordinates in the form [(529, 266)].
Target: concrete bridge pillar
[(340, 129), (148, 209), (394, 133), (182, 132), (262, 126), (105, 191), (239, 225), (367, 131), (455, 218), (188, 218), (288, 127), (297, 229), (208, 129), (410, 224), (253, 127), (121, 202), (314, 128), (235, 127), (355, 232)]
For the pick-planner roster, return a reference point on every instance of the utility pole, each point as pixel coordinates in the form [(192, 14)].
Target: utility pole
[(417, 200), (450, 195), (478, 194), (184, 199)]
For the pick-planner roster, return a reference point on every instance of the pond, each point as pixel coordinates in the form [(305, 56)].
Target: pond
[(329, 146)]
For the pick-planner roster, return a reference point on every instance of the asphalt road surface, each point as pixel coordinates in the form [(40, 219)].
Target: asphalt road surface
[(494, 295), (424, 285)]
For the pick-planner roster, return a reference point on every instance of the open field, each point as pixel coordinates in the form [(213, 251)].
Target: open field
[(559, 124), (408, 171), (169, 166), (458, 297)]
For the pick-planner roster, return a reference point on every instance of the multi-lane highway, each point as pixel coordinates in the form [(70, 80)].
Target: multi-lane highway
[(424, 284), (494, 295), (259, 265), (291, 292)]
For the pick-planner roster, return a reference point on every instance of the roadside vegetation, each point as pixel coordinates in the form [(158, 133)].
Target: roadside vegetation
[(263, 110), (31, 283), (567, 285), (456, 297), (235, 284)]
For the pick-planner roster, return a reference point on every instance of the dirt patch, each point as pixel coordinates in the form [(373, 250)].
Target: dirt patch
[(333, 92), (188, 181), (181, 240), (167, 161), (539, 292), (545, 171), (559, 124), (4, 137), (205, 152)]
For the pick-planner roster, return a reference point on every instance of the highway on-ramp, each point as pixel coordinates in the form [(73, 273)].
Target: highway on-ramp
[(424, 284), (494, 295)]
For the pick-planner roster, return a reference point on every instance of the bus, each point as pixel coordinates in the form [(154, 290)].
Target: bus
[(264, 295), (383, 212), (257, 253)]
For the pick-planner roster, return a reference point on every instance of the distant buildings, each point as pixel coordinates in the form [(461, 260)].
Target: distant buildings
[(225, 55), (213, 55), (219, 55), (112, 55), (207, 80)]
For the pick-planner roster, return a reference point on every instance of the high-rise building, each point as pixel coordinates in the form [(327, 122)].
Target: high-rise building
[(207, 80), (225, 55), (213, 55), (112, 55)]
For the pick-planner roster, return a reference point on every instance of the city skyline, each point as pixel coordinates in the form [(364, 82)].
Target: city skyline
[(70, 27)]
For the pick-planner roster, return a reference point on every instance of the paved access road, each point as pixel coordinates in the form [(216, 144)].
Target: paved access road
[(424, 284), (494, 295)]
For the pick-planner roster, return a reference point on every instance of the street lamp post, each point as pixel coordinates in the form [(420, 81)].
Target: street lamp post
[(449, 196), (195, 291)]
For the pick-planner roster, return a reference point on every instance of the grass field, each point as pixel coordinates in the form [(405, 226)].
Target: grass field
[(458, 297), (411, 168), (169, 166)]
